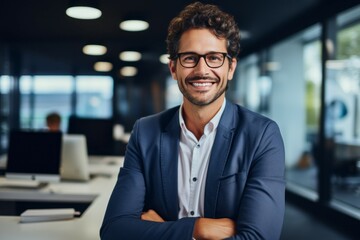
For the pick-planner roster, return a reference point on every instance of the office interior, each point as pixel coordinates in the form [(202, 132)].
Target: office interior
[(299, 65)]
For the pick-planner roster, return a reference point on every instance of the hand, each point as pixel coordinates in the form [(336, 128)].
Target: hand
[(208, 228), (151, 215)]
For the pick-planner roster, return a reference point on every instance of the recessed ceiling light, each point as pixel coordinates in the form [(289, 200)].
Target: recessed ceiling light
[(128, 71), (83, 12), (134, 25), (130, 56), (164, 58), (103, 66), (93, 49)]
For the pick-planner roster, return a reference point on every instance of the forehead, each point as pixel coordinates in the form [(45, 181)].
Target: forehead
[(201, 41)]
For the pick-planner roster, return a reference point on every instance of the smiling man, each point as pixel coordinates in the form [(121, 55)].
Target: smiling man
[(208, 169)]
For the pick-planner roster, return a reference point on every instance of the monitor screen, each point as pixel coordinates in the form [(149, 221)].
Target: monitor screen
[(34, 155), (98, 133)]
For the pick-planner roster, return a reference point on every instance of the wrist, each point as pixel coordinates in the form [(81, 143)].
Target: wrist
[(197, 230)]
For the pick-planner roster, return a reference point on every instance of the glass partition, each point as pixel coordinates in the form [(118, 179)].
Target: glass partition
[(284, 83), (343, 109), (295, 105)]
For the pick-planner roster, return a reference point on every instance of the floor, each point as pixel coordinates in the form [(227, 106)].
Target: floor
[(300, 225)]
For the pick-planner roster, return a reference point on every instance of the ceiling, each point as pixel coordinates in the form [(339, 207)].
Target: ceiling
[(42, 39)]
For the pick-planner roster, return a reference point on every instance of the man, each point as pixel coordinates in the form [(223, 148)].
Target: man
[(208, 169), (53, 122)]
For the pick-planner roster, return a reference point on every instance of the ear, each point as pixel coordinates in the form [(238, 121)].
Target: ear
[(172, 68), (233, 64)]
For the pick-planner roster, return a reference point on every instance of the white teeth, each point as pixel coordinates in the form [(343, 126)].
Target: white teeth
[(202, 84)]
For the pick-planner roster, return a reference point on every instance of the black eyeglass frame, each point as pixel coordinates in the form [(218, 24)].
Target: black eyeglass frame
[(178, 55)]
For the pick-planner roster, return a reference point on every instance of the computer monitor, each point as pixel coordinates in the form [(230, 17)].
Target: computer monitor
[(98, 133), (34, 155), (74, 158)]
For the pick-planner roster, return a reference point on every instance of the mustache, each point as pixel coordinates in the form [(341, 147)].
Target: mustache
[(201, 77)]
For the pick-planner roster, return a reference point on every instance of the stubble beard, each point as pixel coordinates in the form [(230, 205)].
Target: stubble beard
[(205, 102)]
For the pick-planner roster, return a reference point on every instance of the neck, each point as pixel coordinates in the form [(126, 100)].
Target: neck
[(196, 117)]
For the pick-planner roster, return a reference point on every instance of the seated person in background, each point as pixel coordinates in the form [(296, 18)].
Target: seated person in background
[(208, 169), (53, 121)]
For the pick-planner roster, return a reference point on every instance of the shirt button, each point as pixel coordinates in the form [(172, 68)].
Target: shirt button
[(194, 179), (198, 145), (192, 213)]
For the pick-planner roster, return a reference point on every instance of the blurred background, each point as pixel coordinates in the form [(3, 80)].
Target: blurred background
[(299, 65)]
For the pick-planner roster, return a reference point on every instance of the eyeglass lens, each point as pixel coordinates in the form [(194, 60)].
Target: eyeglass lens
[(213, 60)]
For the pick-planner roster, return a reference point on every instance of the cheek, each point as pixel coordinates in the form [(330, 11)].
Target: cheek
[(182, 74), (221, 75)]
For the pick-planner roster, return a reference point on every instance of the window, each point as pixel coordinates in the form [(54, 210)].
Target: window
[(41, 95), (4, 111), (94, 96)]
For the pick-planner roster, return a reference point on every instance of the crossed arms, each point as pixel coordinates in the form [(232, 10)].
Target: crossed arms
[(205, 228)]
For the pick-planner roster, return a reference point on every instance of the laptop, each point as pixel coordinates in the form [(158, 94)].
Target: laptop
[(74, 158), (34, 156)]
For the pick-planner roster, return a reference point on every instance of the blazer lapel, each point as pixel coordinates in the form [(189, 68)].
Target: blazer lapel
[(219, 155), (169, 165)]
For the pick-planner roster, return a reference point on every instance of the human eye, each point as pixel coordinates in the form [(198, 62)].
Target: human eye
[(189, 58), (214, 57)]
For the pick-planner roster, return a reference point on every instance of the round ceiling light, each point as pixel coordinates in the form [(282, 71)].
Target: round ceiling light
[(134, 25), (164, 58), (130, 56), (83, 12), (103, 66), (128, 71), (93, 49)]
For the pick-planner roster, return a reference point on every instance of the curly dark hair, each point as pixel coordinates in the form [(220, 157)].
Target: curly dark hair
[(199, 15)]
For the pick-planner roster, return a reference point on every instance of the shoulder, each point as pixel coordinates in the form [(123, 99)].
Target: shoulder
[(240, 116), (159, 120), (256, 129)]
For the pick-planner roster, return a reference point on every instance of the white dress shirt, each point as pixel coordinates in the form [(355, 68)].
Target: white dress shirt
[(193, 163)]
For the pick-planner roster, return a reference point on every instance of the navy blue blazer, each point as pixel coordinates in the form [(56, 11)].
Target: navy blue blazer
[(245, 179)]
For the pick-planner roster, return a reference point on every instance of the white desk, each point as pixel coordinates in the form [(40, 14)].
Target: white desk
[(86, 227)]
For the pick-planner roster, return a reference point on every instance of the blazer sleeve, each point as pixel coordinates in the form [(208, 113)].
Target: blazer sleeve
[(122, 218), (262, 205)]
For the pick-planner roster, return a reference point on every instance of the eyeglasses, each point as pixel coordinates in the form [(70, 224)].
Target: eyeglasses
[(212, 59)]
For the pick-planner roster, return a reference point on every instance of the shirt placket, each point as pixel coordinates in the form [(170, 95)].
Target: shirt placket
[(194, 177)]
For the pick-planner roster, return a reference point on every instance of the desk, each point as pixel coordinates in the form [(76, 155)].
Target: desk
[(86, 227)]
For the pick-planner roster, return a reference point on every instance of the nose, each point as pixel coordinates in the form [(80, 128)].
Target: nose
[(201, 66)]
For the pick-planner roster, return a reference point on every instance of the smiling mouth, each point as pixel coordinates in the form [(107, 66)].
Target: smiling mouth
[(199, 84)]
